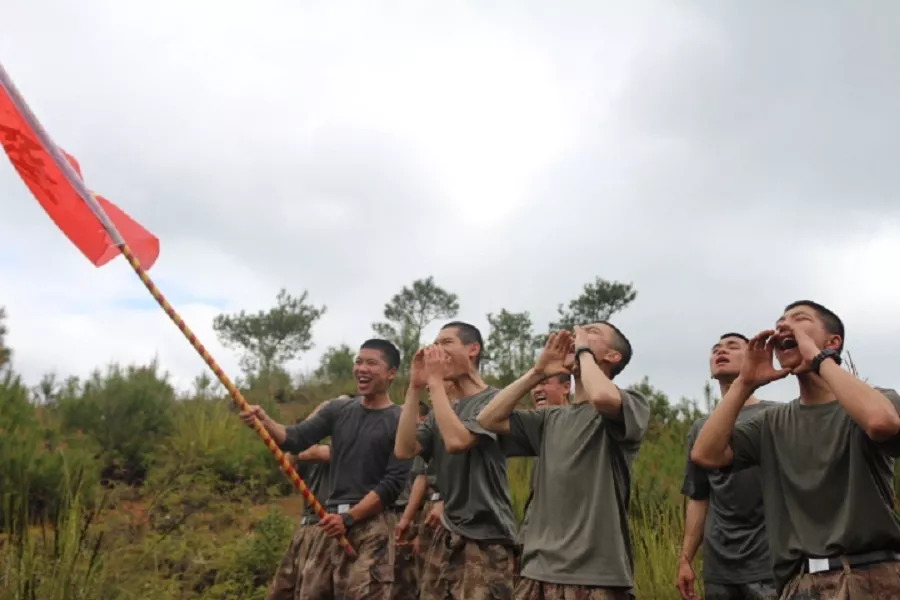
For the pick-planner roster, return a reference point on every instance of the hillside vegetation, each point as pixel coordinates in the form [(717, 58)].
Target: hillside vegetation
[(118, 486)]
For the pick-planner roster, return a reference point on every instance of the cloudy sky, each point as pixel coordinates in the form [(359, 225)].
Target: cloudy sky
[(725, 160)]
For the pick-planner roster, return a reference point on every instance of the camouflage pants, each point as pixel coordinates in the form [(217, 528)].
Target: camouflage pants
[(425, 535), (286, 583), (406, 572), (460, 569), (873, 582), (761, 590), (529, 589), (330, 574)]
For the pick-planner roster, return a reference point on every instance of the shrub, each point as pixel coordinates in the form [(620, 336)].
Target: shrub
[(127, 411)]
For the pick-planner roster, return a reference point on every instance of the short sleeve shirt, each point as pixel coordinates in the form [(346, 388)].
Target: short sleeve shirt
[(735, 543), (472, 484), (827, 487), (577, 531)]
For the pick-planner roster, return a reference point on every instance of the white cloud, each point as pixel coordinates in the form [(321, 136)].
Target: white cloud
[(512, 152)]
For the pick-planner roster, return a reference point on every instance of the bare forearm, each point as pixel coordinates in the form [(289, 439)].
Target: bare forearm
[(599, 389), (320, 453), (495, 416), (369, 506), (713, 446), (868, 407), (456, 437), (405, 444), (276, 430), (694, 522), (416, 496)]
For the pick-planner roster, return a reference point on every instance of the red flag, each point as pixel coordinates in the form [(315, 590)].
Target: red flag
[(60, 198)]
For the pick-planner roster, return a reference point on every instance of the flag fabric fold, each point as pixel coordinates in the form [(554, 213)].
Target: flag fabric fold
[(60, 196)]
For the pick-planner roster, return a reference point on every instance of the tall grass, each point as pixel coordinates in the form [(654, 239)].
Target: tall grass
[(64, 563)]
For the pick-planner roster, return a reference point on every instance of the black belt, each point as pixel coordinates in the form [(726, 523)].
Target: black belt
[(862, 559)]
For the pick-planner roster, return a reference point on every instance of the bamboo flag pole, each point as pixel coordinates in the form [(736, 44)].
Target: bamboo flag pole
[(78, 185)]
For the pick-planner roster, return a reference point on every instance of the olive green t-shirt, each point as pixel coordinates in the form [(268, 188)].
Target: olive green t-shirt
[(418, 468), (827, 487), (318, 479), (735, 542), (577, 531), (472, 484)]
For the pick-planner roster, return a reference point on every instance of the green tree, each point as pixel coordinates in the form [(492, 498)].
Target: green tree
[(271, 337), (598, 301), (511, 345), (410, 311), (5, 353), (336, 364)]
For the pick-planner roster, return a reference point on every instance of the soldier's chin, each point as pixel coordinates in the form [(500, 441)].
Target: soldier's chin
[(788, 359)]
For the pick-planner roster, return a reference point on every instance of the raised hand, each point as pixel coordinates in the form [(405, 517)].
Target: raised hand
[(758, 368), (552, 359), (436, 362), (806, 347), (417, 378)]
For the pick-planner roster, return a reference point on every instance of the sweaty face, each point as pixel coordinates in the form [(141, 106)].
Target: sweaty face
[(461, 355), (726, 358), (372, 373), (807, 320), (550, 392)]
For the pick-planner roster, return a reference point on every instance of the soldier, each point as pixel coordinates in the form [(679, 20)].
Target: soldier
[(554, 390), (471, 555), (825, 460), (366, 480), (314, 467), (724, 510), (409, 504), (577, 543)]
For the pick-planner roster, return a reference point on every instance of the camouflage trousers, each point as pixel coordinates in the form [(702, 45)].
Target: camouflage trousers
[(330, 574), (406, 571), (425, 535), (286, 583), (457, 568), (872, 582), (529, 589)]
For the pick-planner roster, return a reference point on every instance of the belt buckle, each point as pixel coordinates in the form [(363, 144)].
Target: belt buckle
[(435, 496), (817, 565)]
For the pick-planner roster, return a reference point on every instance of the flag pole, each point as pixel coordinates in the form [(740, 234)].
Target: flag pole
[(76, 182)]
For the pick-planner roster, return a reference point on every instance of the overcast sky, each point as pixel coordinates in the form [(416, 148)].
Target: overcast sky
[(726, 160)]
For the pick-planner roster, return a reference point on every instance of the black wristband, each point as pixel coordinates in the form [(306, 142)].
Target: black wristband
[(348, 520), (581, 350), (820, 358)]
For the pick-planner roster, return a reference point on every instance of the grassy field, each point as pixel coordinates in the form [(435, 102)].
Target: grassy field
[(114, 488)]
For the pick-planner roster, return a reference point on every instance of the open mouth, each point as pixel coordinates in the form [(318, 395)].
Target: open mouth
[(788, 343), (363, 379), (722, 360)]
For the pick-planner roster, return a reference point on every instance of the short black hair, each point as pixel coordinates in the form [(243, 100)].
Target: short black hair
[(832, 322), (424, 409), (621, 345), (388, 351), (563, 377), (468, 334), (734, 334)]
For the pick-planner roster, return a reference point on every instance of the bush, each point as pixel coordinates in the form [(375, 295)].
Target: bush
[(209, 441), (35, 460), (127, 412)]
